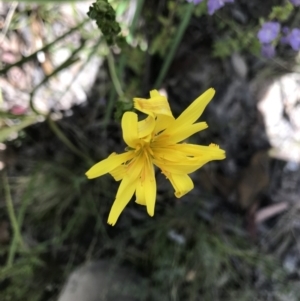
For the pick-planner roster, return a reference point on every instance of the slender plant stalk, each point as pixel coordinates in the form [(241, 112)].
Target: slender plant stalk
[(109, 108), (113, 74), (26, 198), (120, 67), (63, 138), (177, 39), (136, 16), (53, 126), (20, 217), (17, 238), (132, 28)]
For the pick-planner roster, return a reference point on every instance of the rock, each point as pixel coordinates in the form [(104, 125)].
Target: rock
[(281, 112), (239, 65), (103, 281)]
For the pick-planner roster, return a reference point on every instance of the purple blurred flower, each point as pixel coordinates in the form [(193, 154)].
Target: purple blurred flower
[(285, 39), (268, 50), (214, 5), (268, 32), (291, 37), (295, 2), (195, 1), (285, 30), (294, 39)]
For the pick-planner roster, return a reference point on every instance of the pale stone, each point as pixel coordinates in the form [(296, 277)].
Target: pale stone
[(103, 281)]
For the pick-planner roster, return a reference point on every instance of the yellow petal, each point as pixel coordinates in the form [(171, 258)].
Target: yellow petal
[(126, 188), (130, 128), (182, 183), (108, 164), (150, 188), (162, 122), (154, 93), (212, 151), (167, 154), (146, 127), (140, 193), (119, 172), (178, 134), (134, 169), (194, 110), (172, 160), (185, 166), (125, 192), (190, 152), (156, 105), (146, 187)]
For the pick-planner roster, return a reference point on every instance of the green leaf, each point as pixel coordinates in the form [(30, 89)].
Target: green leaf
[(281, 13)]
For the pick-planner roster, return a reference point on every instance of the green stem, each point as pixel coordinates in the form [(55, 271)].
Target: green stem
[(177, 39), (117, 74), (24, 204), (17, 238), (109, 108), (132, 29), (113, 74), (53, 126), (61, 136), (136, 16)]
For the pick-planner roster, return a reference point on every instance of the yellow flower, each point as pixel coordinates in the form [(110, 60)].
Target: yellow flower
[(155, 141)]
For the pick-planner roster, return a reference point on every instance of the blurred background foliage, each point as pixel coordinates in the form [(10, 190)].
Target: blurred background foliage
[(65, 84)]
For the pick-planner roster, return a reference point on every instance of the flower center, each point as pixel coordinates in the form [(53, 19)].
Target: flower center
[(144, 148)]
